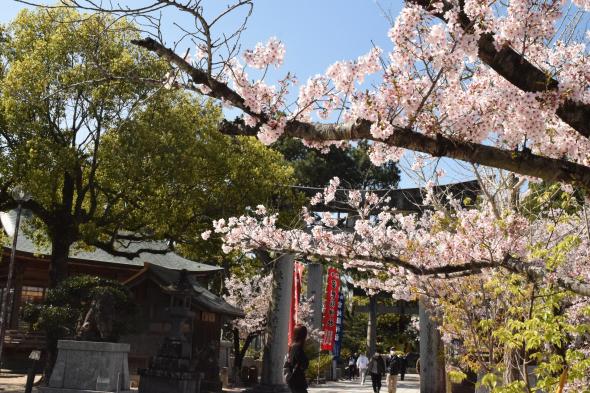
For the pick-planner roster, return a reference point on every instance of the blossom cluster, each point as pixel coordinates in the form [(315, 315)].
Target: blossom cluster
[(345, 73), (305, 315), (388, 241), (252, 295), (263, 55)]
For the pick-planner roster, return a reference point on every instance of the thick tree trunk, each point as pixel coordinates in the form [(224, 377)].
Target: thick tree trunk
[(239, 354), (60, 250), (276, 344), (432, 363), (372, 327), (58, 271), (51, 357), (237, 358)]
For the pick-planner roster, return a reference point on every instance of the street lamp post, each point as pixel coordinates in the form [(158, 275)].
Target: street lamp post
[(20, 196)]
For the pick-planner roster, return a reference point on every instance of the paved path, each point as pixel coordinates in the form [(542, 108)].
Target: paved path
[(411, 384), (12, 383)]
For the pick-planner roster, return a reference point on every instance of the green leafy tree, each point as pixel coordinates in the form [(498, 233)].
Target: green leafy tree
[(106, 152), (393, 330), (352, 165)]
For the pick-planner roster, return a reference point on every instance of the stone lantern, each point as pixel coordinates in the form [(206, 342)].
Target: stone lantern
[(172, 370)]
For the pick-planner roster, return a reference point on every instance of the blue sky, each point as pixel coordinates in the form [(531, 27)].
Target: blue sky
[(316, 34)]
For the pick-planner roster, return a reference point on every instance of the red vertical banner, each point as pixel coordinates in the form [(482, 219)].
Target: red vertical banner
[(330, 309), (295, 296)]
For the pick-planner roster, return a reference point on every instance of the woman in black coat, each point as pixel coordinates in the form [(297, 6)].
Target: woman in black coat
[(298, 361)]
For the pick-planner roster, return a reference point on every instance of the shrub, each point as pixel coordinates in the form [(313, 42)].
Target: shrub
[(67, 306), (325, 362)]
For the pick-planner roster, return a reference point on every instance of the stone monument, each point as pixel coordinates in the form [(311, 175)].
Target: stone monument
[(83, 366)]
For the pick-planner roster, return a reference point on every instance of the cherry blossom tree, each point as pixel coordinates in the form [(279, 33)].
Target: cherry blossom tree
[(250, 294), (516, 308), (305, 314), (505, 85), (439, 243)]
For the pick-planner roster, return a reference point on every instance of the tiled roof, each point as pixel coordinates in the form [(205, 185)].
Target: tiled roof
[(201, 297), (169, 260)]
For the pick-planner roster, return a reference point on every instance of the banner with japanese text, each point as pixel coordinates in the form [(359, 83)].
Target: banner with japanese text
[(339, 324), (330, 309), (295, 297)]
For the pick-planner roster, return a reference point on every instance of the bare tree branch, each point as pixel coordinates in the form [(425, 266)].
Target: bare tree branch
[(110, 248), (525, 163), (536, 271)]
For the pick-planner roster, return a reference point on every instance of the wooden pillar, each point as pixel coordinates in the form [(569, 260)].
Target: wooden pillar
[(315, 289), (372, 326), (277, 329), (432, 364)]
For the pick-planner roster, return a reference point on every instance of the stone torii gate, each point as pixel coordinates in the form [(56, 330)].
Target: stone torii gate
[(432, 367)]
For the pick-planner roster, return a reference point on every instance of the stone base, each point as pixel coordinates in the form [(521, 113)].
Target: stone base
[(89, 366)]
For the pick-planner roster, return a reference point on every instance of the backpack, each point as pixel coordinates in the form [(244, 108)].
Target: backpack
[(287, 369)]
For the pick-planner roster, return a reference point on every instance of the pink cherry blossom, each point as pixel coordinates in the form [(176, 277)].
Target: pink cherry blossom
[(250, 294), (263, 55)]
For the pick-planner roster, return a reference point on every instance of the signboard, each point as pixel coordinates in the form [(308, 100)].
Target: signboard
[(35, 355), (339, 325), (330, 309)]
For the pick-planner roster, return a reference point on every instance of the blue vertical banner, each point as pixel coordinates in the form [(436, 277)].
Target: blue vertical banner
[(339, 325)]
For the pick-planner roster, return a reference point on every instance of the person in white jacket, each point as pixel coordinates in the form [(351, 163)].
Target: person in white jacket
[(361, 364)]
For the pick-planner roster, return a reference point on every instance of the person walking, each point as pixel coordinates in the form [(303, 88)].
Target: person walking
[(362, 362), (403, 366), (393, 370), (376, 368), (298, 361), (351, 366)]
